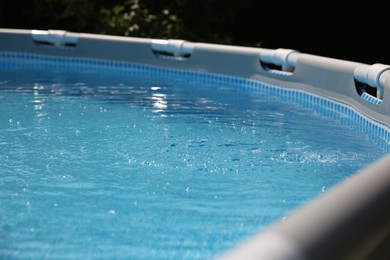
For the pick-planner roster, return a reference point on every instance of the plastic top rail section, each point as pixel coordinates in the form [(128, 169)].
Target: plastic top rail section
[(363, 86)]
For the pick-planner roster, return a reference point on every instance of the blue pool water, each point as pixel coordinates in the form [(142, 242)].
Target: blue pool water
[(108, 165)]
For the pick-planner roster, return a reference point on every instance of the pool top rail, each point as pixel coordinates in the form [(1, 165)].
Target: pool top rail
[(363, 86), (351, 221)]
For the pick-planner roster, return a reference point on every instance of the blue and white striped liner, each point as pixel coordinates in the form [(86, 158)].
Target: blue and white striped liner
[(371, 99), (337, 110)]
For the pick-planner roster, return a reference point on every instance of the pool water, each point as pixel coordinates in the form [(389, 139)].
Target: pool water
[(103, 165)]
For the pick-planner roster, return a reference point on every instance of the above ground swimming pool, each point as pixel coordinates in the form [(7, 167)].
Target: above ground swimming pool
[(136, 148)]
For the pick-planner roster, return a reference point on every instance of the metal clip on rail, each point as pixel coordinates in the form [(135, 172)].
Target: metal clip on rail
[(283, 60), (376, 76), (56, 38), (174, 49)]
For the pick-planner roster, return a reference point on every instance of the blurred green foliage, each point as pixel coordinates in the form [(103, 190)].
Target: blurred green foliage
[(345, 30), (135, 18), (211, 21)]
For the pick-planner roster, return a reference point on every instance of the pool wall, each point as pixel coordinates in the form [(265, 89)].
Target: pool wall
[(350, 89)]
